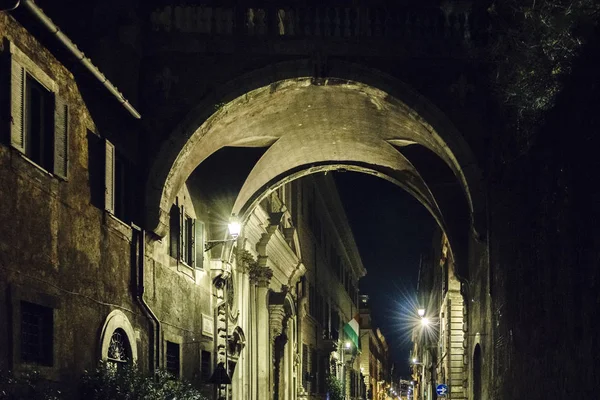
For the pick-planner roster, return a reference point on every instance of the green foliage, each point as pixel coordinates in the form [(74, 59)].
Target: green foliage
[(335, 388), (535, 43), (27, 386), (128, 383), (104, 383)]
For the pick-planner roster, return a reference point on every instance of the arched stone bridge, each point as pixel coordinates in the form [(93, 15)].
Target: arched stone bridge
[(202, 62)]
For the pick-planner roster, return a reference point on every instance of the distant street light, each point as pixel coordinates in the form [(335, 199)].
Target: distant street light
[(421, 312), (424, 321)]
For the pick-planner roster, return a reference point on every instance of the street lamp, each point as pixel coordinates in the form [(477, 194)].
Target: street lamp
[(424, 321), (234, 229), (421, 312)]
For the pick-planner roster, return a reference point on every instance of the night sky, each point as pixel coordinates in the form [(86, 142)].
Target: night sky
[(392, 229)]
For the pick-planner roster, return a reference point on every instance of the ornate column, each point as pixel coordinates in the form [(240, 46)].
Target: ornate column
[(220, 316), (261, 276), (277, 324)]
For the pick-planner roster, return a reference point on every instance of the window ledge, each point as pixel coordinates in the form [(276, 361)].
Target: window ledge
[(21, 164), (115, 224), (186, 270), (182, 267)]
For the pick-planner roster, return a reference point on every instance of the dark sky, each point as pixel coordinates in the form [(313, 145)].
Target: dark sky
[(392, 229)]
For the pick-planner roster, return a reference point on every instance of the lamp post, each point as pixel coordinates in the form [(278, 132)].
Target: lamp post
[(234, 228)]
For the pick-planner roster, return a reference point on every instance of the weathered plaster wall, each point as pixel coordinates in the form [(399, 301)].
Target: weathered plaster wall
[(53, 242)]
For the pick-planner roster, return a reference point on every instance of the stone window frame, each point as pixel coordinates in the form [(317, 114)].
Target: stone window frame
[(17, 295), (177, 339), (117, 320), (19, 59)]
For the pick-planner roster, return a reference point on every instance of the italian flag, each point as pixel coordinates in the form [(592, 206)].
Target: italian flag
[(352, 329)]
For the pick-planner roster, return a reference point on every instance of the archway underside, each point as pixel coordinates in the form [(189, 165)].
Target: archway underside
[(304, 126)]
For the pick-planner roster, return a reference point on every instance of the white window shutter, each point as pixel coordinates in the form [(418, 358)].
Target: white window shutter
[(199, 244), (109, 178), (61, 130), (17, 106), (192, 234)]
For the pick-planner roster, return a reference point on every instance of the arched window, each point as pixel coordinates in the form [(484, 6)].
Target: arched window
[(119, 350), (117, 342)]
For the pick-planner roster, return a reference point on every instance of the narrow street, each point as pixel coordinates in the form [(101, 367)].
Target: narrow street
[(246, 200)]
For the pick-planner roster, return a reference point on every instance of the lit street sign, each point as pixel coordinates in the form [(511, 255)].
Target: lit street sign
[(441, 390)]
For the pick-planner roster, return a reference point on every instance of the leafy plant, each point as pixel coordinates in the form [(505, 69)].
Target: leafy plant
[(27, 386), (129, 383), (335, 388), (534, 45)]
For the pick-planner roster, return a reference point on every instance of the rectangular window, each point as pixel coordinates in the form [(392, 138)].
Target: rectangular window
[(37, 331), (305, 374), (312, 301), (183, 233), (174, 230), (335, 325), (119, 181), (173, 357), (188, 240), (205, 366), (39, 121), (324, 361), (39, 118), (313, 371), (123, 188)]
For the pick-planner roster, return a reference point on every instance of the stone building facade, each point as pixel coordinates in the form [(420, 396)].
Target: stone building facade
[(439, 353), (83, 282), (398, 90), (375, 364)]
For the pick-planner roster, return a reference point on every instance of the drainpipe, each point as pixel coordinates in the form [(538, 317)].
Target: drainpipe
[(139, 294), (72, 48)]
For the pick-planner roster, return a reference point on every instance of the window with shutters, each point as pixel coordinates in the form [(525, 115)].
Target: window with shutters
[(174, 230), (39, 117), (118, 183), (188, 247), (186, 238)]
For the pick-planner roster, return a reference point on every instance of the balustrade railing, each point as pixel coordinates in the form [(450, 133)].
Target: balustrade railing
[(451, 20)]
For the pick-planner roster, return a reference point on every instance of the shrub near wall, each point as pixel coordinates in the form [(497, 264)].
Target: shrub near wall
[(104, 383)]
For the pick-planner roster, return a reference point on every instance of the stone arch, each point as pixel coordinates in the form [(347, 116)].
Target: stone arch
[(117, 320), (197, 136)]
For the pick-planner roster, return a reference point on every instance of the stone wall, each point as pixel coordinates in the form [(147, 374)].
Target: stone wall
[(56, 248)]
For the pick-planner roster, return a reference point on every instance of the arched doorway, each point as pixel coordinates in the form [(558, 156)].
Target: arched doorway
[(477, 360)]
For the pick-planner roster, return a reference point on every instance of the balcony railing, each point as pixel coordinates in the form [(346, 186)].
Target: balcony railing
[(450, 21)]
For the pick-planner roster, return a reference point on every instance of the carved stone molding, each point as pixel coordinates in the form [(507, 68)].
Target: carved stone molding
[(277, 316), (260, 275)]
